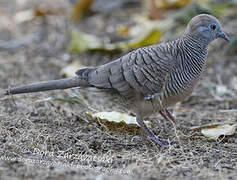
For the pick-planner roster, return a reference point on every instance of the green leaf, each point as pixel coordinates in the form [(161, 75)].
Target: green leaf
[(81, 42), (152, 36)]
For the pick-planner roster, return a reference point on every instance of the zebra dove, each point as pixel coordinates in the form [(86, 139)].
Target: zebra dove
[(149, 79)]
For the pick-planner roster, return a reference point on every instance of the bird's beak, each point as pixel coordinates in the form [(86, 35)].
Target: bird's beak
[(222, 35)]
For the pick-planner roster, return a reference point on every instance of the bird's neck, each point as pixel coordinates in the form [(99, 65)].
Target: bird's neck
[(195, 41), (195, 49)]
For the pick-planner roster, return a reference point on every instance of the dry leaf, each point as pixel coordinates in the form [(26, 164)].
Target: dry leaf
[(167, 4), (24, 16), (81, 41), (214, 131), (152, 10), (123, 30), (80, 9), (149, 36), (42, 9), (118, 121), (115, 117), (69, 70), (144, 23), (49, 8)]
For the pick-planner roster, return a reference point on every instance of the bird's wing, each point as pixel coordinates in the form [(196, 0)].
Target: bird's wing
[(144, 70)]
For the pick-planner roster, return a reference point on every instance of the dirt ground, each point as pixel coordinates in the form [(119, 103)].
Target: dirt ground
[(41, 138)]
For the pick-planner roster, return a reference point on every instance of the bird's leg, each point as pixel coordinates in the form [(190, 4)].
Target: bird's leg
[(167, 115), (155, 98), (150, 133)]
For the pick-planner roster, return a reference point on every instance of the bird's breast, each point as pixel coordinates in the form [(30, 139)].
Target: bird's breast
[(183, 94)]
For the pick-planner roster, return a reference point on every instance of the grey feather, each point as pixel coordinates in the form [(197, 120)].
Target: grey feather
[(148, 79), (134, 72)]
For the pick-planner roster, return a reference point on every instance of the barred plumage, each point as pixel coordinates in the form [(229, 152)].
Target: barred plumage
[(190, 63), (152, 78)]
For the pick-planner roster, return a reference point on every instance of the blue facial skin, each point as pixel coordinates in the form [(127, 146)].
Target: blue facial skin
[(211, 32)]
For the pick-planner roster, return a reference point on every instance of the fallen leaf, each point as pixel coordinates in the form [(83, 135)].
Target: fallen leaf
[(118, 121), (49, 8), (143, 23), (152, 10), (115, 117), (195, 128), (151, 36), (69, 70), (214, 131), (80, 9), (168, 4), (81, 41), (123, 30), (182, 110), (24, 16)]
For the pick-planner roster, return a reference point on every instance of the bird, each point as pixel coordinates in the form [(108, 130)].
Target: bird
[(149, 79)]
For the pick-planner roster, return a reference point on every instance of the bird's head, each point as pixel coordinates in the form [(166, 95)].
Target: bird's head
[(206, 27)]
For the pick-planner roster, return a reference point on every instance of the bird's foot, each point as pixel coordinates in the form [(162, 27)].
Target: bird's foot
[(163, 143)]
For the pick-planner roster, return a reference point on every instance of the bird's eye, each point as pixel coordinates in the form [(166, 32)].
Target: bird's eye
[(213, 26)]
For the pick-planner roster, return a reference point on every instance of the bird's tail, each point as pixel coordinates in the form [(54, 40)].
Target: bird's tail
[(48, 85)]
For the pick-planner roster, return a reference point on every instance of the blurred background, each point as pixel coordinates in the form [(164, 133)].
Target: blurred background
[(72, 34), (51, 39)]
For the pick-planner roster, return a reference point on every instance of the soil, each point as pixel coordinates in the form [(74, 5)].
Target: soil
[(43, 138)]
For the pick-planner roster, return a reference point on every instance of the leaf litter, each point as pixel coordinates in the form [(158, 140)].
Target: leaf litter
[(214, 131), (201, 159)]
